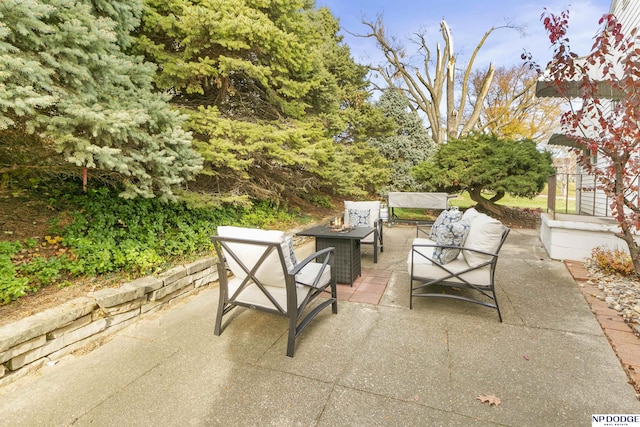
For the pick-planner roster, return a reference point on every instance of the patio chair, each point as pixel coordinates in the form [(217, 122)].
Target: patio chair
[(469, 263), (366, 214), (267, 277)]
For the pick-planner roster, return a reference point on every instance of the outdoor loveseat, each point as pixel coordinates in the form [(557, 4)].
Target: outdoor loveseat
[(265, 275), (459, 255)]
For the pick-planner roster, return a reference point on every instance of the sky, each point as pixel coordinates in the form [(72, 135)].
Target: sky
[(468, 21)]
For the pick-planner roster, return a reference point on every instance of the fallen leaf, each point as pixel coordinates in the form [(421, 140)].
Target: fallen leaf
[(487, 398)]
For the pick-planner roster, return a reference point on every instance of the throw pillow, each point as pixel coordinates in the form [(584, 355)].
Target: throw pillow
[(359, 217), (446, 217), (485, 235), (292, 255), (453, 233), (470, 213)]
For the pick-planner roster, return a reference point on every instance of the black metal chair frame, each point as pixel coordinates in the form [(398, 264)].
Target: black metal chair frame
[(489, 291), (298, 320), (378, 243)]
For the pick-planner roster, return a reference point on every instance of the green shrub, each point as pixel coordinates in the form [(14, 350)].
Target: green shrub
[(42, 272), (105, 234), (11, 286), (321, 201)]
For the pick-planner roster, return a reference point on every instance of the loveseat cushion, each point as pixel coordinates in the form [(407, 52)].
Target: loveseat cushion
[(424, 269), (270, 272), (424, 253), (485, 234), (469, 214)]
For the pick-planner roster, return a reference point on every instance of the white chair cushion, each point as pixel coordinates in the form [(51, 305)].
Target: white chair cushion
[(373, 207), (470, 213), (423, 268), (425, 251), (485, 234), (310, 271), (270, 272), (252, 294), (480, 276)]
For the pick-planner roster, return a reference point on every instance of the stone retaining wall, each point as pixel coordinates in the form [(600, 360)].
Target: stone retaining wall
[(28, 344)]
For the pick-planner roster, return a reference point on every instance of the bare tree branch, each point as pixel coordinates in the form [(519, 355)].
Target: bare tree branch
[(434, 81)]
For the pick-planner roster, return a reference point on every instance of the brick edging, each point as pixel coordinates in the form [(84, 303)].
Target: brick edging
[(624, 342), (28, 344)]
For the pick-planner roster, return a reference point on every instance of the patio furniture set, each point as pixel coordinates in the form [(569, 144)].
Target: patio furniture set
[(258, 269)]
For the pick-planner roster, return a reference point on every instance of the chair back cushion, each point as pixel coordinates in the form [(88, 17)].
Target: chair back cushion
[(470, 213), (485, 234), (359, 209), (271, 271)]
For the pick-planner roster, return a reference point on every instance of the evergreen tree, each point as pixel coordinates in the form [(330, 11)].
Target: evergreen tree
[(65, 79), (410, 145), (265, 86), (482, 162)]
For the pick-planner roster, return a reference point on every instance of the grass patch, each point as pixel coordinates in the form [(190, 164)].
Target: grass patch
[(463, 201)]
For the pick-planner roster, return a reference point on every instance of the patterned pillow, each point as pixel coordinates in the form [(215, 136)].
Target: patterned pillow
[(451, 233), (446, 217), (359, 217), (289, 244)]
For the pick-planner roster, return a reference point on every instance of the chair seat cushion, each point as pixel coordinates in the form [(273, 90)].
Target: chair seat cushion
[(309, 273), (425, 253), (253, 295)]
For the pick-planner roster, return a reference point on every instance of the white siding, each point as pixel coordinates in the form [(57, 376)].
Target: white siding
[(592, 200), (627, 12), (595, 202)]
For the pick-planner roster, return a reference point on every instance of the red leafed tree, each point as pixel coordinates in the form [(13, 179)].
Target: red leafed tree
[(606, 124)]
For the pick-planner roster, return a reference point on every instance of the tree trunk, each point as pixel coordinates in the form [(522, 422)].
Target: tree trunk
[(625, 225), (499, 195), (476, 196), (627, 236)]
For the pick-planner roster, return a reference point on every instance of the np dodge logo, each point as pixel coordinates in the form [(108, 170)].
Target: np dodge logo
[(615, 420)]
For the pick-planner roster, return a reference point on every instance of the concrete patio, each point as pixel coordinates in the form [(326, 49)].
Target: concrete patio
[(372, 364)]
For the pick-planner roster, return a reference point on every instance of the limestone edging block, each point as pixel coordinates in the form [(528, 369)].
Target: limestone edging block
[(44, 322)]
